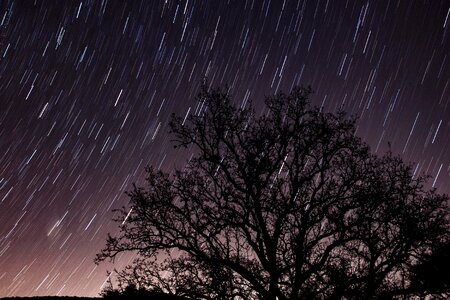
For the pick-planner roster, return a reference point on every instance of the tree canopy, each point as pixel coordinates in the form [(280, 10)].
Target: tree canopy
[(283, 204)]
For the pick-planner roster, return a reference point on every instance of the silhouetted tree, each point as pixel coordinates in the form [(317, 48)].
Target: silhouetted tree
[(285, 204)]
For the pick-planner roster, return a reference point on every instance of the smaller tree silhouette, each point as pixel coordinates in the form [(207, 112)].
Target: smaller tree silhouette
[(286, 204), (182, 277), (431, 275)]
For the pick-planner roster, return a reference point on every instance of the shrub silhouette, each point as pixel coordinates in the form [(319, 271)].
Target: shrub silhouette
[(284, 204), (131, 292)]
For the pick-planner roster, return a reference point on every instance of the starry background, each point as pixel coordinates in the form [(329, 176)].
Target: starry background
[(87, 89)]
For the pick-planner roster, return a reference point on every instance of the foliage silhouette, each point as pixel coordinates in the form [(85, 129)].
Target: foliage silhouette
[(285, 204)]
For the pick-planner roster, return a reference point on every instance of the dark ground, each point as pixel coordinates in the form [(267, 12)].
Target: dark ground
[(51, 298), (149, 297)]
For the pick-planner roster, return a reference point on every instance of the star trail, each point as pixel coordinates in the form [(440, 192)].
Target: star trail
[(87, 89)]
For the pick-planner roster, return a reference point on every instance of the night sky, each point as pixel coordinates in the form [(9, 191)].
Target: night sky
[(87, 89)]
